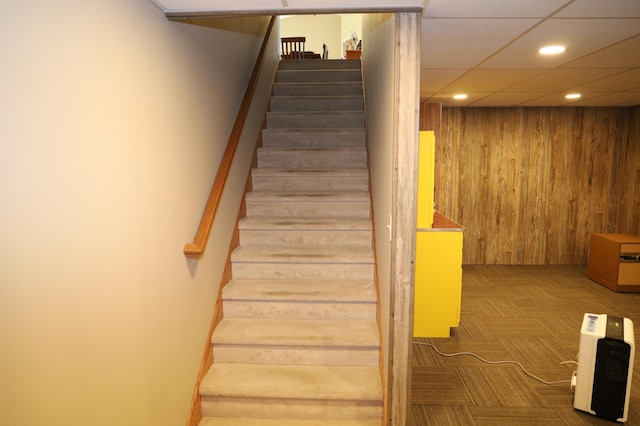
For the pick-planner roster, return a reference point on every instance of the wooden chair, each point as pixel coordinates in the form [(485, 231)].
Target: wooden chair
[(293, 47)]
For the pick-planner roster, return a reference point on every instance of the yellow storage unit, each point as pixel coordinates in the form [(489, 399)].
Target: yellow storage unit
[(438, 282), (426, 177), (438, 270)]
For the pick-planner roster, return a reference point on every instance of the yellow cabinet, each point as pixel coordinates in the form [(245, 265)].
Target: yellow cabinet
[(438, 263), (438, 281), (426, 177)]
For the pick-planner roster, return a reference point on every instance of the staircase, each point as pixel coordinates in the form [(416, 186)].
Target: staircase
[(299, 342)]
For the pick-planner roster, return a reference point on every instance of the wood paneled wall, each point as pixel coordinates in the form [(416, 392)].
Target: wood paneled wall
[(530, 185)]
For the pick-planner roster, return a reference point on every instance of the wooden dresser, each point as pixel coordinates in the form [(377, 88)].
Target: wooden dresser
[(614, 261)]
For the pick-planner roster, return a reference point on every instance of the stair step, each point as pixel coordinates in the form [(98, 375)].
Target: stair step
[(292, 409), (305, 224), (302, 299), (316, 103), (362, 291), (299, 342), (309, 334), (318, 89), (319, 65), (339, 311), (318, 76), (299, 262), (302, 254), (312, 158), (302, 138), (330, 383), (217, 421), (315, 120), (308, 204), (305, 231), (346, 179)]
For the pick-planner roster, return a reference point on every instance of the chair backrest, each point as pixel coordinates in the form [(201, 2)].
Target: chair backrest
[(293, 47)]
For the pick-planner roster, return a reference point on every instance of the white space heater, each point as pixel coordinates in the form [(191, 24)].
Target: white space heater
[(605, 366)]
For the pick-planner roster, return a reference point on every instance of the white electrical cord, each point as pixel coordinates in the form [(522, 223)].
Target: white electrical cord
[(498, 362)]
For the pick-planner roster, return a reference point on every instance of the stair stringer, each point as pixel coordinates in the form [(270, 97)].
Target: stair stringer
[(383, 376), (195, 410)]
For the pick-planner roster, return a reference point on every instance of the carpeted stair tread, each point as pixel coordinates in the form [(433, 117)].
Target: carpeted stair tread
[(317, 88), (320, 97), (302, 254), (309, 203), (301, 290), (318, 76), (301, 333), (297, 382), (312, 158), (309, 115), (304, 223), (315, 120), (309, 179), (313, 137), (305, 231), (329, 64), (307, 196), (359, 172), (316, 103), (314, 150), (213, 421)]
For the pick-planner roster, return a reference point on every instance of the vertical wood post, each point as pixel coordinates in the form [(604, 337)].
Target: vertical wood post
[(406, 112)]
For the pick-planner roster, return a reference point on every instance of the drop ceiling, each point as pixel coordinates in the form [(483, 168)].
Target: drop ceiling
[(488, 49)]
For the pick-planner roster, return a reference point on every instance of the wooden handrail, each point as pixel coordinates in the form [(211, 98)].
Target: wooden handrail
[(196, 249)]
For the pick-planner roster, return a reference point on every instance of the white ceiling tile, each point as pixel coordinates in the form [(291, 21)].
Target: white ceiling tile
[(617, 55), (505, 99), (608, 99), (466, 42), (546, 102), (433, 80), (446, 98), (555, 99), (492, 8), (618, 81), (601, 9), (580, 36), (559, 79), (490, 80)]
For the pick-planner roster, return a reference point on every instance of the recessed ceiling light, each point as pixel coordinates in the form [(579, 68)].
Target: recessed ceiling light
[(551, 50), (460, 96), (573, 96)]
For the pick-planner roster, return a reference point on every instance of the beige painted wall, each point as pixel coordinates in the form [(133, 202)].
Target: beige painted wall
[(318, 29), (350, 22), (378, 68), (112, 123)]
